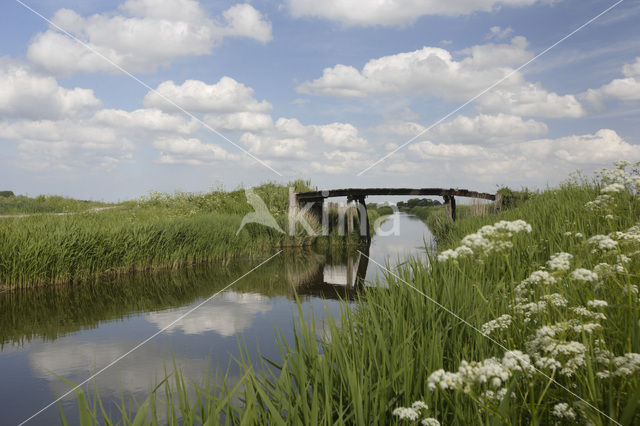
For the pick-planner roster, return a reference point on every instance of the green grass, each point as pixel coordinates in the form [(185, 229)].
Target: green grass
[(21, 204), (158, 231), (385, 350)]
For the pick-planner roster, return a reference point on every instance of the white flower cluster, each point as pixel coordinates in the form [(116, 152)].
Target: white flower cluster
[(413, 413), (406, 413), (555, 299), (586, 275), (597, 303), (602, 202), (536, 277), (462, 251), (560, 262), (503, 321), (603, 242), (491, 371), (489, 238), (563, 411), (613, 188)]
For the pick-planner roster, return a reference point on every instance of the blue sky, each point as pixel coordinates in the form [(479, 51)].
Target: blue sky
[(319, 90)]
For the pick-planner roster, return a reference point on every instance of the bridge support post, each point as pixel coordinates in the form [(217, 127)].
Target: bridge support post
[(450, 206), (350, 205), (363, 218)]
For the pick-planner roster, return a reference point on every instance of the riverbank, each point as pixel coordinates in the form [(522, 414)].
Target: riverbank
[(529, 317), (53, 240)]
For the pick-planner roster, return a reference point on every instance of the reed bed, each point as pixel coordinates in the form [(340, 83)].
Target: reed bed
[(545, 331), (154, 232)]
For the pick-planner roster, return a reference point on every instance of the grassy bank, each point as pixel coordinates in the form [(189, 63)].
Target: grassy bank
[(531, 321), (158, 231)]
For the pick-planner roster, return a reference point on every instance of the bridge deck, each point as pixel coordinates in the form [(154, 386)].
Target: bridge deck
[(363, 192)]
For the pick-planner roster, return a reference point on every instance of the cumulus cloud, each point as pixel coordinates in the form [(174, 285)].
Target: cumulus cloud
[(145, 121), (231, 314), (499, 33), (434, 70), (67, 144), (225, 96), (145, 35), (393, 13), (481, 129), (341, 134), (492, 129), (625, 89), (25, 93), (190, 151), (245, 120), (532, 162), (242, 20)]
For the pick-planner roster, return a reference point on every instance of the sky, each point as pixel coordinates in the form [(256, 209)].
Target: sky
[(111, 100)]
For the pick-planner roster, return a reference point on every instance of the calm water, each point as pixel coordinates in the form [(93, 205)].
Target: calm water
[(74, 332)]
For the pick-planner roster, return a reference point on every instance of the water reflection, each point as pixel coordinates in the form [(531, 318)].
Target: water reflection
[(74, 331)]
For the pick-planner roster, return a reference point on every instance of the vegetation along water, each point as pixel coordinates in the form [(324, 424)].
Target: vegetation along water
[(529, 316)]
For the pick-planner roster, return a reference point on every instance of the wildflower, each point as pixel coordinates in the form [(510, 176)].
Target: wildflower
[(555, 299), (405, 413), (501, 322), (568, 234), (603, 242), (582, 274), (597, 303), (517, 361), (444, 380), (581, 310), (419, 405), (446, 255), (430, 421), (609, 217), (612, 188), (560, 262), (587, 328), (563, 411), (627, 364), (579, 235)]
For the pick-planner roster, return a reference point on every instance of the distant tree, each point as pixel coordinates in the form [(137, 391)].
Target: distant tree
[(7, 194)]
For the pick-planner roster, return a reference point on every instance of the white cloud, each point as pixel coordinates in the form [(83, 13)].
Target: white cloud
[(149, 35), (67, 144), (533, 162), (190, 151), (231, 314), (427, 150), (341, 162), (245, 121), (499, 33), (242, 20), (625, 89), (145, 120), (434, 70), (393, 13), (25, 93), (269, 145), (225, 96), (530, 99), (344, 135), (481, 129)]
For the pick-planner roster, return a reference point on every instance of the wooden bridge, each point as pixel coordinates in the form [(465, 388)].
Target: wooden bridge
[(358, 195)]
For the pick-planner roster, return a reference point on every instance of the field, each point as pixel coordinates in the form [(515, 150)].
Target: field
[(527, 317)]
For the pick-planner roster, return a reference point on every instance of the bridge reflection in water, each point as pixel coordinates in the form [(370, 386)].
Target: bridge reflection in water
[(335, 274)]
